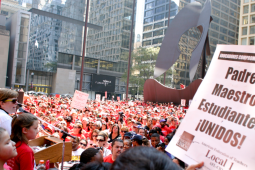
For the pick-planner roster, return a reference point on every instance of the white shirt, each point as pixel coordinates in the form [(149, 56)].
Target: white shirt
[(5, 121), (106, 152), (75, 157)]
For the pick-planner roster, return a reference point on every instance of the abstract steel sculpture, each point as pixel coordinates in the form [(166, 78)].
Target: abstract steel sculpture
[(192, 15)]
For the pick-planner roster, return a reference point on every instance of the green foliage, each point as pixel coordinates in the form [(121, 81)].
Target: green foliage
[(142, 67)]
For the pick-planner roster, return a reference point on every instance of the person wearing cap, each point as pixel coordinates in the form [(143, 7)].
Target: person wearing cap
[(8, 104), (164, 129), (137, 140), (128, 135)]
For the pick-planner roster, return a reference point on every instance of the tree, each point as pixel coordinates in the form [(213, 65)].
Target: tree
[(142, 67)]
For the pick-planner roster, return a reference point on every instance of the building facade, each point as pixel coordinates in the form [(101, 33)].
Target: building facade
[(223, 30), (247, 23), (10, 7), (4, 48)]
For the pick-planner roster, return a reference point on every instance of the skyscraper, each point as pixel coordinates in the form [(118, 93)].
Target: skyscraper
[(247, 24)]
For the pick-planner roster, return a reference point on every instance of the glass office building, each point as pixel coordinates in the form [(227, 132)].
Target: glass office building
[(223, 30)]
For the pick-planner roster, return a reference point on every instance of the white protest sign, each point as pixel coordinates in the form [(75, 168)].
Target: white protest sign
[(98, 97), (218, 128), (183, 102), (190, 101), (103, 98), (79, 100)]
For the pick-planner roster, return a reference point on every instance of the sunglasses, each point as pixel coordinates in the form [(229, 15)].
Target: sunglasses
[(95, 135), (100, 140), (83, 144), (12, 100), (124, 131), (76, 127)]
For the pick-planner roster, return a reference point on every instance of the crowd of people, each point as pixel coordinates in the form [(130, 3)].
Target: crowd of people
[(105, 134)]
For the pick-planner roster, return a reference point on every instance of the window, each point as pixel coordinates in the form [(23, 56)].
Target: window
[(213, 41), (148, 20), (224, 16), (145, 43), (215, 26), (244, 41), (159, 2), (159, 9), (148, 13), (223, 37), (245, 20), (149, 5), (233, 27), (158, 17), (252, 30), (246, 9), (147, 28), (233, 6), (245, 1), (225, 9), (216, 4), (232, 20), (157, 41), (158, 25), (224, 23), (252, 7), (231, 33), (252, 40), (244, 31), (231, 40), (213, 34), (223, 30), (216, 19), (225, 2), (147, 35), (216, 12), (252, 18), (157, 33)]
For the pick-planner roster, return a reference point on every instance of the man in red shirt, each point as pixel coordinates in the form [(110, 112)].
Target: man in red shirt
[(117, 149), (164, 129)]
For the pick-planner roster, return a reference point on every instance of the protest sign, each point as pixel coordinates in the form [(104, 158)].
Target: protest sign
[(118, 98), (98, 97), (105, 94), (103, 98), (79, 100), (218, 128), (190, 101), (183, 102)]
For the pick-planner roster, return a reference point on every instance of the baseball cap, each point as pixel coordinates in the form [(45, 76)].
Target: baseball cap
[(137, 137), (162, 120), (128, 134)]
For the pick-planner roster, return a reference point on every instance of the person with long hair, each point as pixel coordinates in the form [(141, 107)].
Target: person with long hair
[(123, 130), (115, 133), (93, 137), (24, 128)]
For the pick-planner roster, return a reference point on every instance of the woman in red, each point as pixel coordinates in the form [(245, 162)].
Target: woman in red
[(77, 131), (24, 128)]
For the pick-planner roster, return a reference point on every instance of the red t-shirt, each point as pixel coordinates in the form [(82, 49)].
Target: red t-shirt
[(25, 158), (108, 159), (166, 130)]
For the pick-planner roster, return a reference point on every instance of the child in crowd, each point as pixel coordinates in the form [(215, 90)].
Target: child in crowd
[(7, 149), (24, 128)]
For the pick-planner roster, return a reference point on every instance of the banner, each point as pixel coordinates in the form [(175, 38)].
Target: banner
[(218, 128), (98, 97), (79, 100), (183, 102), (102, 83)]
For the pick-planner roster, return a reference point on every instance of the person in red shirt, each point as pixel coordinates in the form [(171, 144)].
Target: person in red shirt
[(164, 129), (24, 128), (117, 149)]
